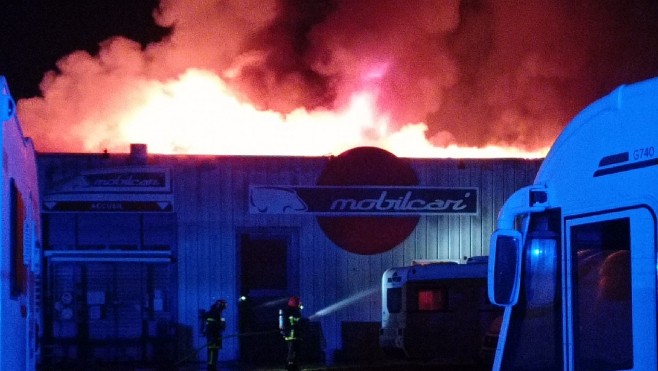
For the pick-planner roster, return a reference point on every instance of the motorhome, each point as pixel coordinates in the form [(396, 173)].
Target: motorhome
[(20, 315), (573, 259), (436, 310)]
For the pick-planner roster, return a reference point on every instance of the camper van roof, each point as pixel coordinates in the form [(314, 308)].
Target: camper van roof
[(613, 141)]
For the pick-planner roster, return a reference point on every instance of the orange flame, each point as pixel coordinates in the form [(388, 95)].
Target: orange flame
[(198, 114)]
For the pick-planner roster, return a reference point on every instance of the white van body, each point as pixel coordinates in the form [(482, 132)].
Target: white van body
[(573, 260), (20, 316), (436, 311)]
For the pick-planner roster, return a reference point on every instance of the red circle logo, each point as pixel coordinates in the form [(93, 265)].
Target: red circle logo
[(371, 166)]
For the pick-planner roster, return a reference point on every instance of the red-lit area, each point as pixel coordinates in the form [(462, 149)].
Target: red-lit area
[(314, 79), (434, 299), (198, 113)]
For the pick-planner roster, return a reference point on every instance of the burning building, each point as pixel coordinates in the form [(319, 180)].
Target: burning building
[(242, 104), (136, 244)]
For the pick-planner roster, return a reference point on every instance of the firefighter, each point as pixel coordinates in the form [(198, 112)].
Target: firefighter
[(290, 324), (213, 327)]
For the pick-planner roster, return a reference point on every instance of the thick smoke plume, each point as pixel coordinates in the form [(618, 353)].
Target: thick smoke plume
[(476, 72)]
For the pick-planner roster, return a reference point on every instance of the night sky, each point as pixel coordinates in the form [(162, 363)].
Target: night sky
[(34, 34), (476, 71)]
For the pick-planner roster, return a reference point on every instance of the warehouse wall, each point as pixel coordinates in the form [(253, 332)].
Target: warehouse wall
[(211, 206)]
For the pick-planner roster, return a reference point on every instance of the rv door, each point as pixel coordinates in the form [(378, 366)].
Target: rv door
[(611, 296)]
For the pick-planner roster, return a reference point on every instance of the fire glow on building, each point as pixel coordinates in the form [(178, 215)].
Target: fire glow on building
[(318, 78), (198, 113)]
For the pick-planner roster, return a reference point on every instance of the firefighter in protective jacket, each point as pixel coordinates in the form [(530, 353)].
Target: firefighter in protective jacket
[(290, 324), (213, 327)]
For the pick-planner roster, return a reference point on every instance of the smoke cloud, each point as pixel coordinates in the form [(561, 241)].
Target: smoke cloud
[(476, 72)]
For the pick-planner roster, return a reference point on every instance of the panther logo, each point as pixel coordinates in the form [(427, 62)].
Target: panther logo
[(275, 200)]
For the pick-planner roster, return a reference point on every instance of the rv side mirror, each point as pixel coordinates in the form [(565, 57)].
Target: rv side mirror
[(504, 269)]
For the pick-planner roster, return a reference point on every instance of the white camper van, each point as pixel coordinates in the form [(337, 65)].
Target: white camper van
[(19, 241), (437, 311), (573, 260)]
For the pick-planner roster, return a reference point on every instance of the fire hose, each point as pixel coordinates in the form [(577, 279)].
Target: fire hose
[(196, 351)]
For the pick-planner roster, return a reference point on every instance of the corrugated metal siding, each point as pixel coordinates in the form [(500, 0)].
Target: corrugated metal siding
[(210, 199)]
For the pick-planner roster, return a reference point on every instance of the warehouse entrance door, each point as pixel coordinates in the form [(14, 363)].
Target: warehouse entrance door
[(268, 275)]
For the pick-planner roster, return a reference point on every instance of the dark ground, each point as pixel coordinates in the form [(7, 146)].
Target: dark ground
[(384, 365), (399, 366)]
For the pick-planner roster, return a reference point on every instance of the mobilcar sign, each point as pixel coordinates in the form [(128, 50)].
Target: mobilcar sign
[(133, 180), (415, 201), (362, 200), (367, 168), (130, 189)]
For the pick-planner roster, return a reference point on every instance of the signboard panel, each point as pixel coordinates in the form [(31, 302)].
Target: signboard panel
[(134, 180), (108, 206), (362, 200), (134, 189)]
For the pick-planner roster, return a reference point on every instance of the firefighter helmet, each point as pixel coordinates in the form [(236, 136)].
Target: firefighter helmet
[(221, 303), (294, 302)]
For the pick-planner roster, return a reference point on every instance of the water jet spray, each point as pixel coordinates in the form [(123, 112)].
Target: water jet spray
[(344, 303)]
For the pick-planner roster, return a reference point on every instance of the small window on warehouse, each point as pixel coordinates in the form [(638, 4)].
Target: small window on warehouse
[(124, 231)]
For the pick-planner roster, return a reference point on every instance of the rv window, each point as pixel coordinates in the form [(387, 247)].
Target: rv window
[(541, 261), (394, 300), (433, 299), (602, 295), (18, 271)]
